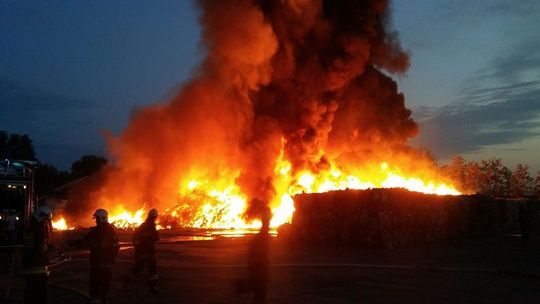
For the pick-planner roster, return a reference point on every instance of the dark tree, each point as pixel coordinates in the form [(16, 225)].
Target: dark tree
[(457, 172), (21, 147), (3, 144), (491, 177), (16, 146), (537, 185), (522, 181), (507, 182), (48, 178), (472, 177), (492, 180), (87, 165)]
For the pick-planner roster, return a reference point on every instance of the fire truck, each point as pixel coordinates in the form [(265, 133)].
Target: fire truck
[(17, 199)]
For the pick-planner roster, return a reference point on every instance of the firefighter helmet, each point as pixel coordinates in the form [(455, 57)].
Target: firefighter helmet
[(101, 216), (43, 212), (153, 213)]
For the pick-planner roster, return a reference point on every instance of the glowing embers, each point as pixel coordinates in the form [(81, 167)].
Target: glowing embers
[(216, 208), (122, 218)]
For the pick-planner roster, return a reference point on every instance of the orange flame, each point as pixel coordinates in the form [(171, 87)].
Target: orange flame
[(122, 218), (222, 203), (61, 224)]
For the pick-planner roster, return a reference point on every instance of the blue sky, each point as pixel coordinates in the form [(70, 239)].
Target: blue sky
[(474, 83), (70, 69)]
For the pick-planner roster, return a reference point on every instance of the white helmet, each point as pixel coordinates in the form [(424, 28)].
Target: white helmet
[(101, 216), (153, 213), (43, 212)]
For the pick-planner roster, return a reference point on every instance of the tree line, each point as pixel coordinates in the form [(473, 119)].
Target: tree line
[(491, 177), (47, 176)]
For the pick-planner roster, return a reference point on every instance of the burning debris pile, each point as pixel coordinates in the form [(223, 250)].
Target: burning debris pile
[(292, 96), (391, 218)]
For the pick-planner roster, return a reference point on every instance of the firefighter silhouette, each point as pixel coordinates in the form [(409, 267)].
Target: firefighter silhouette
[(36, 243), (103, 243), (144, 241), (258, 264)]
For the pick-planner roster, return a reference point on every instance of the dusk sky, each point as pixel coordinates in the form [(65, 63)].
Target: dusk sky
[(71, 69)]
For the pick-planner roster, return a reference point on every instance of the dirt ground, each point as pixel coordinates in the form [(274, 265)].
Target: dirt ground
[(497, 270)]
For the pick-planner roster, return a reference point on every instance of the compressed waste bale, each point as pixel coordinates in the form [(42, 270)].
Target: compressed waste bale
[(391, 218)]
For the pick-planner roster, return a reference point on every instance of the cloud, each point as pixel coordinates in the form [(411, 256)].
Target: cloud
[(516, 8), (18, 99), (26, 108), (62, 128), (464, 9), (500, 105)]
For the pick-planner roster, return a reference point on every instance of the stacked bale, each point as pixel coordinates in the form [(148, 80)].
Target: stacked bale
[(391, 218)]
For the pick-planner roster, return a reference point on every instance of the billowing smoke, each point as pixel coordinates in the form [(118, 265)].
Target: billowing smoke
[(309, 77)]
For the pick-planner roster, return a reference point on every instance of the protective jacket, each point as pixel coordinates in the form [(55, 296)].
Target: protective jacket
[(103, 243), (145, 238), (36, 242)]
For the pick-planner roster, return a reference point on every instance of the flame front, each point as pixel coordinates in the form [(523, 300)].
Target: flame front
[(222, 204), (122, 218)]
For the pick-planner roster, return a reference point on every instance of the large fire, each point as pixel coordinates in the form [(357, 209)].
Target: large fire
[(225, 206), (291, 97)]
